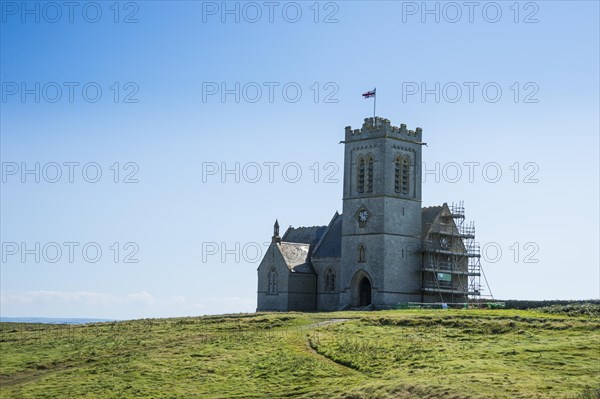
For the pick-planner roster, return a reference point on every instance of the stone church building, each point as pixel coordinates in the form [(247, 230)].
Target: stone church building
[(384, 249)]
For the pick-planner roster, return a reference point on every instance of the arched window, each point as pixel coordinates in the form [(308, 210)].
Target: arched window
[(405, 175), (272, 289), (360, 183), (369, 162), (361, 254), (397, 174), (330, 280)]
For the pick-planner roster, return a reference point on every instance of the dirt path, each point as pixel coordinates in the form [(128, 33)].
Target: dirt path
[(320, 356), (25, 376), (327, 322)]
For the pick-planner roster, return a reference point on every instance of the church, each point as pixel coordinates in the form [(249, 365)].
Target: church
[(384, 250)]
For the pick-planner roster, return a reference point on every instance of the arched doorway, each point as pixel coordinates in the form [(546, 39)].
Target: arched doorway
[(364, 292), (362, 289)]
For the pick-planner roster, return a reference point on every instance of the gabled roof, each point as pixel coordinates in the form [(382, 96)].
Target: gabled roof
[(304, 235), (428, 216), (296, 246), (296, 256), (438, 219), (330, 245)]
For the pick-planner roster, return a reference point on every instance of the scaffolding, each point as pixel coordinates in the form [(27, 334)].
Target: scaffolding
[(451, 268)]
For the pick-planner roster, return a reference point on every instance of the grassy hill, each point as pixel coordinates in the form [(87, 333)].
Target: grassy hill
[(546, 353)]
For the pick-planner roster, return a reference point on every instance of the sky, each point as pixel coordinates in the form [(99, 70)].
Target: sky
[(148, 146)]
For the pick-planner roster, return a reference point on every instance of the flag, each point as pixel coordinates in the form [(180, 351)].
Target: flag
[(369, 94)]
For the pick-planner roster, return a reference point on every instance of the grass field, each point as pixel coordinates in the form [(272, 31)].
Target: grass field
[(544, 353)]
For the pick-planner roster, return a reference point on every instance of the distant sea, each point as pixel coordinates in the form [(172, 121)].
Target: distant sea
[(50, 320)]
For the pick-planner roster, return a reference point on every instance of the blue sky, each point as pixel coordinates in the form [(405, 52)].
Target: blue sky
[(197, 237)]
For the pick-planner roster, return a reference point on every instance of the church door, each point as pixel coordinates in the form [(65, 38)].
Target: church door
[(364, 289)]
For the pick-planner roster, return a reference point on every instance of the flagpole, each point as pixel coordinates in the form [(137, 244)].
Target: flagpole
[(369, 94), (374, 103)]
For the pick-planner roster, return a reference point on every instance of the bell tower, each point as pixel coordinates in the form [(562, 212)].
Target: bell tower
[(381, 228)]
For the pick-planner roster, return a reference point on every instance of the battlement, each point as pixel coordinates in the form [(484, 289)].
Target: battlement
[(383, 128)]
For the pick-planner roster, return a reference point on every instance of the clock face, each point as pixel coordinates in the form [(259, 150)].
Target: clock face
[(363, 215), (445, 243)]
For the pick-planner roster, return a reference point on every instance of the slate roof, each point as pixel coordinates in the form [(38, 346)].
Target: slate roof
[(428, 215), (295, 256), (304, 235), (330, 245), (296, 246)]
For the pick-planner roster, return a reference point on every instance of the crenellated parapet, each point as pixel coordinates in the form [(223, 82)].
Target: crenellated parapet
[(383, 128)]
